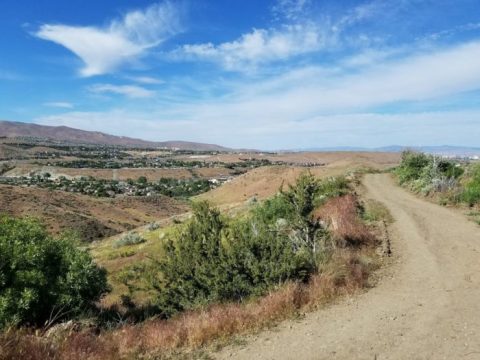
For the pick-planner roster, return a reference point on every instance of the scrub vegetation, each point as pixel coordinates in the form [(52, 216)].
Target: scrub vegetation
[(216, 276), (452, 182)]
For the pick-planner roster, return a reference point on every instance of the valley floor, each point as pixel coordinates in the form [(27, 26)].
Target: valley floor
[(426, 306)]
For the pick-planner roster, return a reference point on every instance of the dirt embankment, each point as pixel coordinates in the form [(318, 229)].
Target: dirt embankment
[(425, 307)]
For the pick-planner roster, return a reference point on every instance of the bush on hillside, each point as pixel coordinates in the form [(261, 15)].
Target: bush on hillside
[(426, 173), (412, 166), (42, 278), (471, 192), (215, 259), (131, 238)]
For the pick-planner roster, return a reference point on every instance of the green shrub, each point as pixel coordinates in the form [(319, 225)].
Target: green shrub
[(273, 209), (428, 174), (449, 169), (412, 166), (193, 268), (332, 187), (132, 238), (471, 192), (42, 278), (214, 260)]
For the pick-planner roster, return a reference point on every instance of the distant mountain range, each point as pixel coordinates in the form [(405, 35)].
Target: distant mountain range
[(13, 129), (445, 150)]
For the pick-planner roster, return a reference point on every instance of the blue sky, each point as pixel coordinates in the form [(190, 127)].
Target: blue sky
[(277, 74)]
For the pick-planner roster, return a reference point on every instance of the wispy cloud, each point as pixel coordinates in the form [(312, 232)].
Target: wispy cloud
[(453, 31), (290, 10), (261, 46), (131, 91), (105, 49), (149, 80), (60, 104), (298, 31)]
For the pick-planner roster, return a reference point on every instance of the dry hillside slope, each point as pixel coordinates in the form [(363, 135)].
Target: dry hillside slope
[(93, 218), (265, 181), (426, 308), (12, 129)]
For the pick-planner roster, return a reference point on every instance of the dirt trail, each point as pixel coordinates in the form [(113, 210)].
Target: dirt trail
[(427, 307)]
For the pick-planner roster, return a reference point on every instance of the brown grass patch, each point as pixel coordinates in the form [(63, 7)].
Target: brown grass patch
[(341, 214)]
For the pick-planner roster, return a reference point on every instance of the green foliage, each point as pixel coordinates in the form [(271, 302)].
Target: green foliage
[(412, 166), (132, 238), (264, 256), (449, 169), (142, 180), (111, 188), (303, 197), (193, 270), (427, 174), (42, 278), (215, 259), (273, 209), (333, 187), (471, 192)]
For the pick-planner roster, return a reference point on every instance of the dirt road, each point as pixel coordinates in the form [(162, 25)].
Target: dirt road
[(426, 307)]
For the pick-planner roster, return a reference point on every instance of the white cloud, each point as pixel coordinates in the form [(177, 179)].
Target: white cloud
[(60, 104), (104, 49), (261, 46), (149, 80), (302, 32), (131, 91)]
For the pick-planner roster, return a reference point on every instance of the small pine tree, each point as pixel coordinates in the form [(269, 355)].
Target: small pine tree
[(303, 196)]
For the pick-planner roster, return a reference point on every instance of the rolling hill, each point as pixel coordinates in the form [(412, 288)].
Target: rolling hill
[(13, 129)]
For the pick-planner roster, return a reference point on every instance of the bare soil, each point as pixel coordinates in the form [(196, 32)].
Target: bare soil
[(425, 306)]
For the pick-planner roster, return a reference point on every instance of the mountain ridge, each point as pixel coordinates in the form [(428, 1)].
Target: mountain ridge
[(17, 129), (446, 150)]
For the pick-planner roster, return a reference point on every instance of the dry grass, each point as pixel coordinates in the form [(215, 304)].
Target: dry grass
[(347, 229)]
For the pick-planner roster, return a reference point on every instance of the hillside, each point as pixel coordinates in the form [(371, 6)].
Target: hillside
[(93, 218), (265, 181), (11, 129)]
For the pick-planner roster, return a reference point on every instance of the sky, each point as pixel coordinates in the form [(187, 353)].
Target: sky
[(280, 74)]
